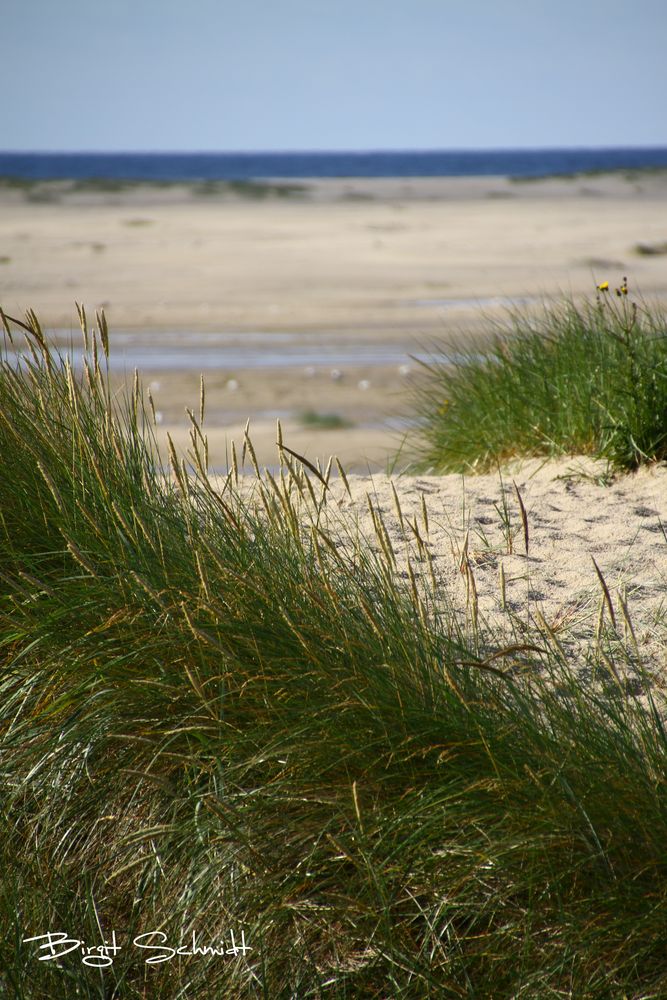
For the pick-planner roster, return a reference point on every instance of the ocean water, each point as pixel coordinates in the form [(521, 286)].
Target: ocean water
[(252, 166)]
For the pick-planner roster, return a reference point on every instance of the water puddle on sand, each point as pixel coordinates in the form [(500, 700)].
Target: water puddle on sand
[(188, 351), (182, 351), (480, 305)]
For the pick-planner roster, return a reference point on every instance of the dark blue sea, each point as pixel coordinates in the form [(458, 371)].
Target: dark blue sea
[(251, 166)]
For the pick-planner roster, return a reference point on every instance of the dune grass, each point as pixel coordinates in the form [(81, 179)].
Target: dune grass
[(575, 379), (224, 711)]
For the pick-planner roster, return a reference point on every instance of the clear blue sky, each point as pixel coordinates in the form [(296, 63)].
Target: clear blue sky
[(331, 74)]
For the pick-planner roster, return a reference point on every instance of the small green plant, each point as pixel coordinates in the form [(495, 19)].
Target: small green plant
[(588, 379), (16, 183), (252, 190), (42, 194), (323, 421), (651, 249), (102, 185)]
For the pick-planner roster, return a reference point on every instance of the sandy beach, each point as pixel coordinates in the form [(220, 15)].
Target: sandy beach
[(465, 536), (573, 519), (342, 271)]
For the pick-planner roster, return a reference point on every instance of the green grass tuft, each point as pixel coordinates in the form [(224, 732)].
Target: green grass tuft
[(588, 379)]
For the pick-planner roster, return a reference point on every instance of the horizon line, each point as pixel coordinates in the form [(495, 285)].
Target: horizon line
[(371, 151)]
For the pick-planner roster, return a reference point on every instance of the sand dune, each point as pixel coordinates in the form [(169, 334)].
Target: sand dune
[(576, 519)]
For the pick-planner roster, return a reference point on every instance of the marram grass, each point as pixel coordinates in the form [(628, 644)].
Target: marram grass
[(222, 710), (575, 379)]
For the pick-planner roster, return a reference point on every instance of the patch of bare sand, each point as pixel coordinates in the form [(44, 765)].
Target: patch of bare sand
[(573, 519), (362, 448)]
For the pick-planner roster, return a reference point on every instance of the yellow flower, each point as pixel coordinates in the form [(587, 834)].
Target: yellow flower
[(603, 287)]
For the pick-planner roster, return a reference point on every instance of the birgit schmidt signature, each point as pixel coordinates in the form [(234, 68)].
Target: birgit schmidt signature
[(153, 946)]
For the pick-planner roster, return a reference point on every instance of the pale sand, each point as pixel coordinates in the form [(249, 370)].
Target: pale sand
[(353, 255), (572, 519)]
